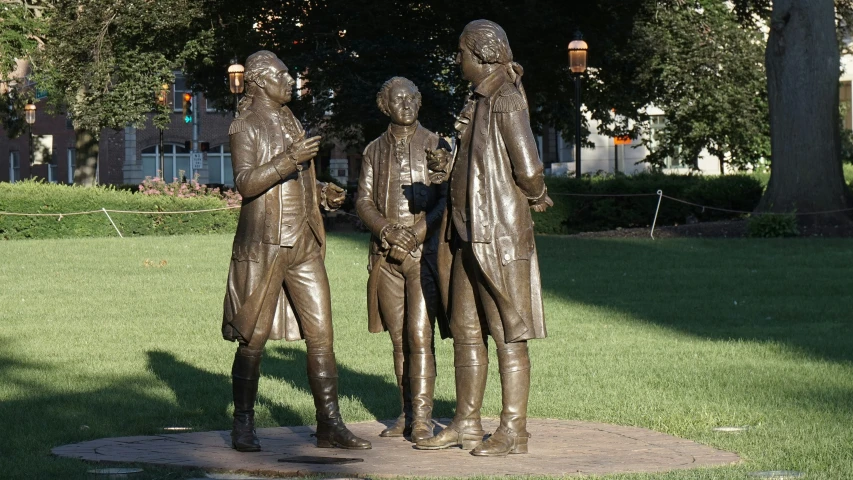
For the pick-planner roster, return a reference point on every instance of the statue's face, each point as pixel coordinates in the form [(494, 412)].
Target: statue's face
[(278, 84), (472, 69), (402, 105)]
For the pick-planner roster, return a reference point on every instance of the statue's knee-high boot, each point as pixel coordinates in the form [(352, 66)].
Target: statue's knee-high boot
[(323, 379), (471, 363), (511, 436), (403, 425), (245, 373), (422, 379)]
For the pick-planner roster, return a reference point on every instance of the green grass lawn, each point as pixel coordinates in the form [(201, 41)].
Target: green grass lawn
[(99, 338)]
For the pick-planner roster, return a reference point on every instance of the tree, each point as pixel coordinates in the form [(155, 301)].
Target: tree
[(705, 70), (802, 60), (20, 29), (345, 50), (104, 62)]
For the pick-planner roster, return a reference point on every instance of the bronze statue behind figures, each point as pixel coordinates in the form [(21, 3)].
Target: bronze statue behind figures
[(402, 208), (277, 284), (487, 258)]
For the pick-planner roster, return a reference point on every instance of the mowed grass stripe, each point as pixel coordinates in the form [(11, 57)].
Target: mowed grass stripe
[(111, 337)]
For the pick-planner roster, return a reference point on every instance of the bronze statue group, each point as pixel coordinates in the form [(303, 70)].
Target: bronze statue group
[(452, 245)]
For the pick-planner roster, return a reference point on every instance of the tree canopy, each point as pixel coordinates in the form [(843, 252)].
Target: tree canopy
[(105, 61)]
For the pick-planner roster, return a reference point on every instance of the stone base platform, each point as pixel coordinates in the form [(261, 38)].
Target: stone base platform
[(557, 448)]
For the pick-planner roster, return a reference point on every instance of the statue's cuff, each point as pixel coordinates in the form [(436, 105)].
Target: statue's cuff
[(539, 198)]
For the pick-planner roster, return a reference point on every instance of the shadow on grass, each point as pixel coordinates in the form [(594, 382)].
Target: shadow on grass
[(793, 292), (379, 396), (40, 418)]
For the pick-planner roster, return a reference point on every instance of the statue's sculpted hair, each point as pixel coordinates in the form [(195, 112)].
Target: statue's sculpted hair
[(382, 96), (488, 41), (256, 65)]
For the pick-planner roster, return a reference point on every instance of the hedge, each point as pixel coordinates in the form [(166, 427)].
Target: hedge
[(573, 214), (570, 214), (38, 197)]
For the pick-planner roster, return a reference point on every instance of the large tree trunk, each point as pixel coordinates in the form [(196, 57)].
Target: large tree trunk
[(86, 164), (802, 60)]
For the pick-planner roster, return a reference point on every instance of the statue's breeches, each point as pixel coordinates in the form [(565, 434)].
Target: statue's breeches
[(474, 313), (299, 272), (407, 294)]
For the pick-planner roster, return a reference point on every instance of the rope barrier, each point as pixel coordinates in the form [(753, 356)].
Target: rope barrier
[(104, 210), (658, 194)]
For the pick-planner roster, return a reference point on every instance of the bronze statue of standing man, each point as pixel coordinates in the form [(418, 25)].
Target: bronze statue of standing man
[(403, 209), (490, 276), (277, 284)]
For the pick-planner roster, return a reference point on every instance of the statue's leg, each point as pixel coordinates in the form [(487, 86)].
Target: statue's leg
[(471, 360), (390, 289), (308, 288), (514, 365), (419, 329), (245, 371)]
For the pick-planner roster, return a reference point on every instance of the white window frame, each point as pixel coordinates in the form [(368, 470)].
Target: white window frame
[(14, 166), (217, 155), (71, 153), (169, 157)]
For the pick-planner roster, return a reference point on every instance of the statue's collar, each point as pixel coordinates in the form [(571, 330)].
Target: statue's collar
[(491, 84), (400, 131)]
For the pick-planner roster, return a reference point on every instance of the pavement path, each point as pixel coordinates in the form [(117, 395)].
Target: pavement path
[(557, 448)]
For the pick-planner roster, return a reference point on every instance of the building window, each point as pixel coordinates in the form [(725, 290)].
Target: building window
[(658, 125), (209, 107), (176, 158), (71, 153), (14, 166), (178, 90), (51, 173), (219, 165)]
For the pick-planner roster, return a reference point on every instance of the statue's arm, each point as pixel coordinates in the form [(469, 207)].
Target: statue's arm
[(365, 207), (251, 178), (431, 221), (527, 168)]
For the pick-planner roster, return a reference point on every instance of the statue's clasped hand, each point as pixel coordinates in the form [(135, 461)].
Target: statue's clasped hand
[(437, 161), (335, 196), (401, 240)]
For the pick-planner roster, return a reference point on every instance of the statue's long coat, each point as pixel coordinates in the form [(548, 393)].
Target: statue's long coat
[(374, 195), (254, 142), (505, 175)]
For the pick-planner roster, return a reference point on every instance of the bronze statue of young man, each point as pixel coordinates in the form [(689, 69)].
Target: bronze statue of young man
[(277, 284), (493, 278), (403, 208)]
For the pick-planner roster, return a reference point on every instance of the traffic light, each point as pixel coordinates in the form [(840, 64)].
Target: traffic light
[(188, 107)]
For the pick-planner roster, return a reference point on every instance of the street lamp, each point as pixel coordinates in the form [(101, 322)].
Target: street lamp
[(30, 118), (235, 81), (577, 64), (163, 100)]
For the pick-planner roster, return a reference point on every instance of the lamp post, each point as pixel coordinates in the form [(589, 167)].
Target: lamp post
[(235, 81), (163, 100), (577, 64), (30, 118)]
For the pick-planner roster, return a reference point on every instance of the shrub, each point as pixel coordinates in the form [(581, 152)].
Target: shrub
[(191, 189), (38, 197), (608, 202), (772, 225)]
